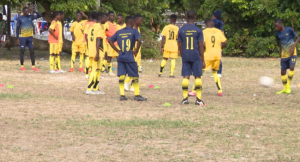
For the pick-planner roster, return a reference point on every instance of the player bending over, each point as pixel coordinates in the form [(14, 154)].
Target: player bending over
[(190, 45), (288, 53), (126, 39), (213, 38), (169, 45)]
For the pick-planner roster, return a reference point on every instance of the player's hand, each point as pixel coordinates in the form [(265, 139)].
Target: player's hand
[(73, 38), (292, 50), (162, 50), (96, 57), (18, 40), (179, 54), (118, 51), (82, 12), (203, 65)]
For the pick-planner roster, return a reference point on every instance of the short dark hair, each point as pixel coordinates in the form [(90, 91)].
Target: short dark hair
[(208, 20), (110, 12), (61, 12), (137, 16), (279, 21), (129, 18), (25, 8), (55, 13), (101, 14), (94, 15), (121, 15), (191, 14), (173, 16), (78, 12)]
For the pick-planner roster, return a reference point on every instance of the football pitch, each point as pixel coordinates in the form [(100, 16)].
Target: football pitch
[(48, 117)]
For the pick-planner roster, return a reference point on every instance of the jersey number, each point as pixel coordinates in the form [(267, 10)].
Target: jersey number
[(213, 40), (192, 43), (92, 35), (171, 35), (128, 43)]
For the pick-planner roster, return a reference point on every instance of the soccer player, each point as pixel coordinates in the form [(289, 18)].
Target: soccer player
[(169, 45), (218, 23), (215, 41), (25, 36), (112, 29), (190, 45), (121, 24), (94, 43), (105, 27), (288, 53), (78, 45), (53, 40), (126, 39), (60, 42), (138, 19)]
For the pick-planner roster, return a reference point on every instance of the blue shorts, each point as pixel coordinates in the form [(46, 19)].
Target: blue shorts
[(191, 68), (286, 63), (26, 42), (130, 68)]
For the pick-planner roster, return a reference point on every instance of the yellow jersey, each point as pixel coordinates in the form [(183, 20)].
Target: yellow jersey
[(119, 27), (76, 29), (171, 34), (94, 32), (60, 32), (213, 38)]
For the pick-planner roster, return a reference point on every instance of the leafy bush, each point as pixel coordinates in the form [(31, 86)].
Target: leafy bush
[(150, 46)]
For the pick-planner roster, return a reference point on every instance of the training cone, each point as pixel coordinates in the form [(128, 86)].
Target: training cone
[(299, 85), (1, 85), (113, 69), (167, 104), (10, 86), (156, 87), (143, 85), (151, 86)]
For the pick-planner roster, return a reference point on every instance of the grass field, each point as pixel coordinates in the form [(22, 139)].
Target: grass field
[(48, 117)]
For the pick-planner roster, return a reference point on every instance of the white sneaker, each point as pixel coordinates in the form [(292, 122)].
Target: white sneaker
[(87, 77), (220, 75), (52, 72), (132, 89), (99, 92), (90, 92), (101, 77), (61, 71), (111, 74), (141, 68), (127, 86)]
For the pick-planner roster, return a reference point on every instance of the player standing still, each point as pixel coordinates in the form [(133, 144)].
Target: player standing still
[(288, 53), (190, 45), (126, 39), (169, 45)]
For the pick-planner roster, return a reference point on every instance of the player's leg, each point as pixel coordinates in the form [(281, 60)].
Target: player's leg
[(220, 69), (174, 56), (81, 60), (284, 66), (133, 72), (73, 57), (215, 68), (97, 77), (139, 60), (292, 64), (163, 63), (104, 62), (197, 72), (22, 51), (92, 79), (185, 73), (29, 44), (122, 74)]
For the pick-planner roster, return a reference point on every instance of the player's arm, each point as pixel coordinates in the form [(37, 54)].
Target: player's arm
[(224, 44), (87, 42), (111, 43), (201, 51), (138, 46), (51, 32), (38, 15), (98, 43), (84, 15), (163, 40), (292, 49), (73, 36)]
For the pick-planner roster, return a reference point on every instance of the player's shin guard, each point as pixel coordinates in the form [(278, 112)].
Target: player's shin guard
[(136, 86), (128, 79), (73, 57), (56, 62), (109, 65), (104, 65), (284, 81), (217, 80), (81, 59), (87, 65), (91, 63), (162, 65), (96, 79), (198, 87), (121, 85), (51, 61), (92, 80), (173, 63), (185, 87), (290, 77)]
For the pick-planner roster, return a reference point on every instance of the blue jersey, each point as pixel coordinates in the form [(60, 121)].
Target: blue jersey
[(190, 35), (25, 24), (126, 40), (218, 24), (287, 39)]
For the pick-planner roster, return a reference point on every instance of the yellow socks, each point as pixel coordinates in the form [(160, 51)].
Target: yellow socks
[(109, 65), (73, 57), (91, 63), (185, 87), (81, 59), (58, 62), (51, 60), (136, 86), (87, 65), (104, 65), (173, 62), (217, 80), (128, 79), (284, 81), (162, 66), (198, 87), (96, 79), (290, 77), (121, 85)]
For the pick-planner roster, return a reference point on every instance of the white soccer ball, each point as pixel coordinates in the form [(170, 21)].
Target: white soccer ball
[(266, 81)]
